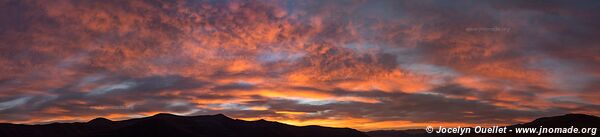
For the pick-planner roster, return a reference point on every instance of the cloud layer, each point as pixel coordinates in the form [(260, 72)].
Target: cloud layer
[(365, 64)]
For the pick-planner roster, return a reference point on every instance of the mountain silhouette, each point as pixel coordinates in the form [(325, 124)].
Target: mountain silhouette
[(169, 125), (564, 121), (577, 120)]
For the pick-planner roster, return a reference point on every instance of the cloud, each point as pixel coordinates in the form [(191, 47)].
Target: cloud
[(338, 63), (13, 103)]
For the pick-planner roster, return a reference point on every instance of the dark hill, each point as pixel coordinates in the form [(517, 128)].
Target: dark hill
[(169, 125), (577, 120), (564, 121)]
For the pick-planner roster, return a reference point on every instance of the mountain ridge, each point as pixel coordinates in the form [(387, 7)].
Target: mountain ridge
[(567, 120), (170, 125), (219, 125)]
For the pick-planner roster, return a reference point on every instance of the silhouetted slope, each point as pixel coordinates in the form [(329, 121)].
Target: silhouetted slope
[(577, 120), (168, 125), (388, 133), (564, 121)]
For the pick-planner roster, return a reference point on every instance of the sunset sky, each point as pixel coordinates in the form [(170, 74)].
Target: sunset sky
[(345, 63)]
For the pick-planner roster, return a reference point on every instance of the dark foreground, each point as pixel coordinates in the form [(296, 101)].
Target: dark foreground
[(168, 125), (564, 121)]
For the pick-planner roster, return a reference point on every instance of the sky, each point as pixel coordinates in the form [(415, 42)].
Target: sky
[(362, 64)]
